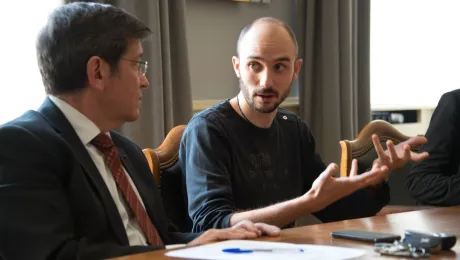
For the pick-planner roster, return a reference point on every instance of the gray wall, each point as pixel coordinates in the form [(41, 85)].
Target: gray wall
[(213, 27)]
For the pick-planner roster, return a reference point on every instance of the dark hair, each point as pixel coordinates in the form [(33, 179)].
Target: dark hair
[(267, 20), (78, 31)]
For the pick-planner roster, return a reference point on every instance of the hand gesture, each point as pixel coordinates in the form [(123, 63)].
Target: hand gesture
[(398, 156), (327, 189)]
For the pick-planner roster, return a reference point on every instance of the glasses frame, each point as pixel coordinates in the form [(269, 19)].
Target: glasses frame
[(143, 68)]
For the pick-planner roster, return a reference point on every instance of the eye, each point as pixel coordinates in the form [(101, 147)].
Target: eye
[(254, 66), (279, 67)]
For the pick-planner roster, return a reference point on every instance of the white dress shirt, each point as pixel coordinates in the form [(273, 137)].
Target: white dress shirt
[(87, 131)]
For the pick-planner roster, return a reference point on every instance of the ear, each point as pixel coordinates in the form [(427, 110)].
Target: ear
[(297, 65), (236, 65), (97, 70)]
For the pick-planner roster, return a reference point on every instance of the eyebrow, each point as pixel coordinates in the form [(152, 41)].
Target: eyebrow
[(284, 58)]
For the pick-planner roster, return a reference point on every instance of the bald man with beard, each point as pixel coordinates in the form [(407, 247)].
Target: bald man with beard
[(245, 158)]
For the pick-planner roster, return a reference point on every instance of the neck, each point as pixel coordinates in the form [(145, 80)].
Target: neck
[(90, 108), (262, 120)]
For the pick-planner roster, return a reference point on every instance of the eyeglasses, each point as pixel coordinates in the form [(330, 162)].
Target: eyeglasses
[(142, 65)]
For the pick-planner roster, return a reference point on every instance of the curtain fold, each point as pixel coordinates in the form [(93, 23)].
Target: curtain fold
[(168, 101), (334, 89)]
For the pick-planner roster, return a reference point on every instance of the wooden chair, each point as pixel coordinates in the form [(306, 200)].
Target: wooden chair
[(362, 149), (168, 176)]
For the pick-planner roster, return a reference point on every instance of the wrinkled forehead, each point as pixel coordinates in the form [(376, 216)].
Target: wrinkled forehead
[(268, 42)]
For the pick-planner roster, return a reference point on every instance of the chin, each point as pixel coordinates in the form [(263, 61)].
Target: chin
[(132, 117), (265, 108)]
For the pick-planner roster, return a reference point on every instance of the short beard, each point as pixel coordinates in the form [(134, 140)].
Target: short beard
[(265, 110)]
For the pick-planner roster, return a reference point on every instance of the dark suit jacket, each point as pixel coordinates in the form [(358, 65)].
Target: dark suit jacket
[(54, 203), (436, 180)]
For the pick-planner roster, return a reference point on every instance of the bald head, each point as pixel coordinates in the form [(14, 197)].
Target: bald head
[(266, 27), (266, 64)]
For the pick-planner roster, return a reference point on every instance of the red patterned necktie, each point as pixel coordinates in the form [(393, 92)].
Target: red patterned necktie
[(106, 146)]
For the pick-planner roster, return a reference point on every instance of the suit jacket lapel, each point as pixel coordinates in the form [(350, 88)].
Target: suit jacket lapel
[(57, 119)]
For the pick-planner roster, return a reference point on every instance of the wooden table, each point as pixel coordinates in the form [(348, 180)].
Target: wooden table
[(445, 220)]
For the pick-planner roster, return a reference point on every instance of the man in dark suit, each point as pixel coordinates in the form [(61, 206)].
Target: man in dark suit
[(436, 181), (70, 187)]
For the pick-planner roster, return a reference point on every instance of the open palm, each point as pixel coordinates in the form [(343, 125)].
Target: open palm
[(327, 189)]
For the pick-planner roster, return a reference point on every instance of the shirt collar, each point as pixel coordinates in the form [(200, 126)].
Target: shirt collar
[(83, 126)]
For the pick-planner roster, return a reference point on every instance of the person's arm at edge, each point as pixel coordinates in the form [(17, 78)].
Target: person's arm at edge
[(205, 161), (436, 180)]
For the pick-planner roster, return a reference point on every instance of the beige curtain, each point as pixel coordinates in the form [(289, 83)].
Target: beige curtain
[(334, 91), (168, 101)]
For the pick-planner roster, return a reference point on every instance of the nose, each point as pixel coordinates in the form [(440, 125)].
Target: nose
[(144, 82), (266, 80)]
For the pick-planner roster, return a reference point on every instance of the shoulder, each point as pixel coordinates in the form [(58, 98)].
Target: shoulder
[(290, 121), (217, 111), (212, 117), (30, 125), (451, 97), (31, 136), (448, 106), (455, 92), (290, 118)]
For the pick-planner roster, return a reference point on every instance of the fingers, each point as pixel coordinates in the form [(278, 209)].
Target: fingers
[(416, 141), (226, 234), (418, 157), (239, 233), (268, 230), (331, 168), (214, 235), (384, 173), (407, 152), (325, 176), (384, 169), (376, 166), (248, 226), (395, 160), (374, 176), (354, 168), (391, 148), (378, 147), (209, 236)]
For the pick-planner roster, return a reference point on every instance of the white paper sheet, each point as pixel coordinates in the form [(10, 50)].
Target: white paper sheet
[(214, 251)]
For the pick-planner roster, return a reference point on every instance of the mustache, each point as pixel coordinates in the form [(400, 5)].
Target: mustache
[(266, 91)]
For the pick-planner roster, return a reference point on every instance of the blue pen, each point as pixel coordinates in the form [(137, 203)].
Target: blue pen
[(267, 250)]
